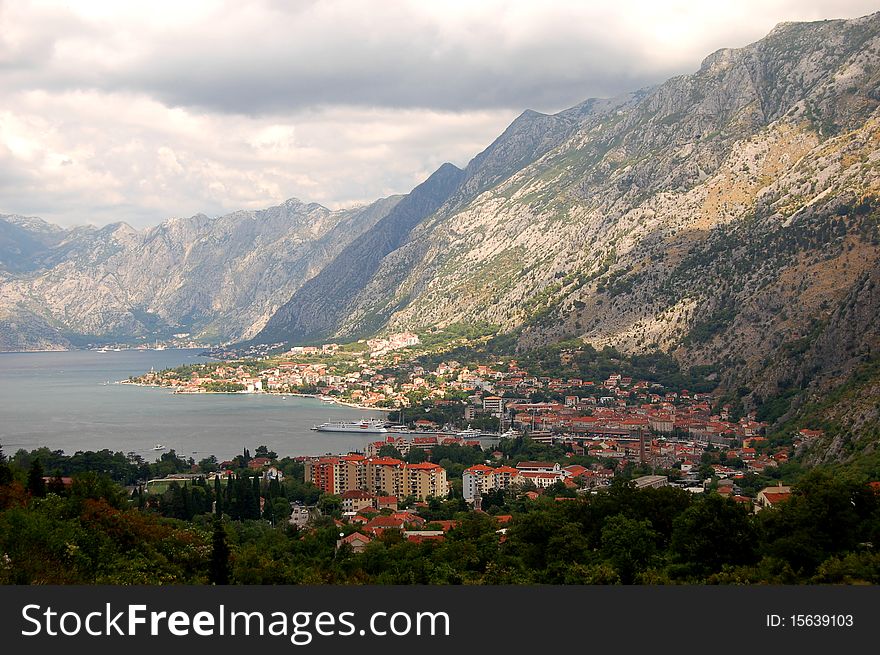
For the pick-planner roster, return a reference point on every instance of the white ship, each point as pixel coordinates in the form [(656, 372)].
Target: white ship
[(366, 426), (470, 433)]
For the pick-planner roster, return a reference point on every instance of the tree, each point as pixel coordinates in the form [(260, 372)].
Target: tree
[(219, 571), (218, 497), (263, 451), (711, 533), (389, 451), (827, 515), (330, 505), (209, 464), (35, 483), (5, 471), (629, 545), (416, 456)]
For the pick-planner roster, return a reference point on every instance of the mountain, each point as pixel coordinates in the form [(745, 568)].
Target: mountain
[(336, 296), (728, 216), (215, 278), (24, 240), (324, 301)]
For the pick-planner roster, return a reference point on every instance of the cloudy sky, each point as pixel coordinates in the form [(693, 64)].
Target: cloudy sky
[(142, 111)]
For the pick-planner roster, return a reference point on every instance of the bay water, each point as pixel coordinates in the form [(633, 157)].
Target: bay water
[(71, 401)]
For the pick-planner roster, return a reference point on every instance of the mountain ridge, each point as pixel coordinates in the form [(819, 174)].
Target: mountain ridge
[(218, 278)]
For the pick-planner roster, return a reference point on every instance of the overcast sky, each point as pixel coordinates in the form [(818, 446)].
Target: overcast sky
[(142, 111)]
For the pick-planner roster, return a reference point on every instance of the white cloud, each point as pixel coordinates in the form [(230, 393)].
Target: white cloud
[(102, 157), (140, 111)]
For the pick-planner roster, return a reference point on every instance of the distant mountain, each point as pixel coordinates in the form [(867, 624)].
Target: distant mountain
[(215, 278), (24, 240)]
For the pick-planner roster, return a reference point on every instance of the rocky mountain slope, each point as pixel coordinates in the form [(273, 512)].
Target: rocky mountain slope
[(215, 278), (322, 303), (729, 216)]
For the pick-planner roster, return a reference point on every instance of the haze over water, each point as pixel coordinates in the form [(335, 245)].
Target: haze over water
[(62, 400)]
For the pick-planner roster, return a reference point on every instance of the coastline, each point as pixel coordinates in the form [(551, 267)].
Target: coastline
[(177, 390)]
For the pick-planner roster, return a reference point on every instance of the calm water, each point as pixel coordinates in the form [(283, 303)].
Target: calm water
[(62, 400)]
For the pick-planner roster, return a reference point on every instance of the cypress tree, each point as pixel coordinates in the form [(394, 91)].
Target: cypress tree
[(35, 483), (254, 510), (187, 503), (218, 502), (219, 571), (5, 471)]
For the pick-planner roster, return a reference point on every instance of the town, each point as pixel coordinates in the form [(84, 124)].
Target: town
[(523, 432), (566, 465)]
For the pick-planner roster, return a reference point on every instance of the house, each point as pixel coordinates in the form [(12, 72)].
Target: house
[(272, 473), (537, 467), (542, 480), (379, 524), (355, 500), (258, 463), (423, 536), (574, 471), (356, 540), (300, 515), (772, 496), (52, 482), (386, 502)]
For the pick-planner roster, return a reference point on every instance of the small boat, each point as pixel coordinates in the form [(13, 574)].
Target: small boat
[(159, 446)]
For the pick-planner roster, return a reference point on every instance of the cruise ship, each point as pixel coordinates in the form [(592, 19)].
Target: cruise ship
[(366, 426)]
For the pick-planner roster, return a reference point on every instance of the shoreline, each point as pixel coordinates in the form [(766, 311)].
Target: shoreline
[(175, 390)]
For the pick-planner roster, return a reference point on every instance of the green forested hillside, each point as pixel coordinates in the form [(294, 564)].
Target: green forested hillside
[(91, 533)]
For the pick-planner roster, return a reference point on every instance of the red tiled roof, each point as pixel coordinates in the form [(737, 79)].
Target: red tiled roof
[(424, 466), (384, 522), (356, 536), (482, 468), (774, 498), (384, 461)]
